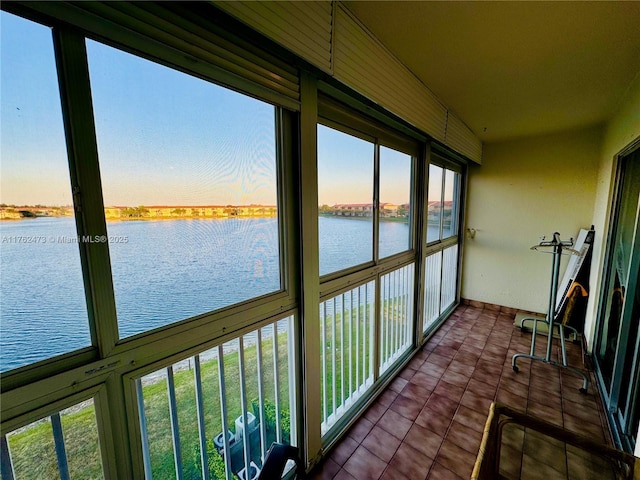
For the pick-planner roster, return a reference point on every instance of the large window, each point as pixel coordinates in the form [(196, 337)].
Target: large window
[(617, 344), (180, 185), (43, 310), (190, 192), (345, 194), (348, 210)]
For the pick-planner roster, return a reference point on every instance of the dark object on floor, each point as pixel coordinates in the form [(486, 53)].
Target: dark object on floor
[(276, 461)]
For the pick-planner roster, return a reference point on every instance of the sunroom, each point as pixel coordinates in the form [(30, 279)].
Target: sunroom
[(228, 224)]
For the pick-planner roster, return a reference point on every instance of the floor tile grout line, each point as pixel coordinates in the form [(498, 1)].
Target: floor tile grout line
[(452, 338), (444, 437)]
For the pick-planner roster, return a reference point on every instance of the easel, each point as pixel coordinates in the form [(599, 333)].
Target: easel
[(558, 246)]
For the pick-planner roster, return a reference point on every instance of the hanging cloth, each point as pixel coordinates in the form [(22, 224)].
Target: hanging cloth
[(573, 314)]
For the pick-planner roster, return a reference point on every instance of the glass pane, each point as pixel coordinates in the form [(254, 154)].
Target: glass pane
[(345, 195), (395, 202), (618, 281), (434, 203), (258, 374), (190, 191), (43, 308), (33, 447), (81, 441), (450, 205), (33, 453)]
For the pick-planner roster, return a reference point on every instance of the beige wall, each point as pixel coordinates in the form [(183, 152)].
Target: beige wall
[(526, 188), (620, 132)]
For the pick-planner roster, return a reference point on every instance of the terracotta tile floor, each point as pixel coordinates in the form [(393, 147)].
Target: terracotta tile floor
[(428, 423)]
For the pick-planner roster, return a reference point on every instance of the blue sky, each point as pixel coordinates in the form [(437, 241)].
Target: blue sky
[(167, 138), (345, 170), (33, 166), (342, 181), (164, 137)]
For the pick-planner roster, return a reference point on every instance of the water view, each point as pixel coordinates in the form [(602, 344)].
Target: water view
[(163, 271)]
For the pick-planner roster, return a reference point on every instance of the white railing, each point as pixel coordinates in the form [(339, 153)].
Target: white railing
[(215, 415), (449, 277), (432, 284), (440, 282), (396, 314), (64, 445), (347, 336)]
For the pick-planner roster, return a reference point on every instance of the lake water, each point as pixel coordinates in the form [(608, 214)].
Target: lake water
[(163, 271)]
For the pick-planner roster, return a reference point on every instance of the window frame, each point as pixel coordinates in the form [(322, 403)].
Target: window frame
[(43, 385), (341, 118), (80, 136), (440, 157), (281, 295), (446, 164), (111, 367), (344, 118)]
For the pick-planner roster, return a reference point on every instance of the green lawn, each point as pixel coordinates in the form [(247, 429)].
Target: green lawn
[(33, 451)]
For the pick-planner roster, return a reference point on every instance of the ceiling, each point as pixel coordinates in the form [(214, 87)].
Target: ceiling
[(512, 69)]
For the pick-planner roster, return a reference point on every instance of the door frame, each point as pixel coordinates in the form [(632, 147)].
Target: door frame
[(610, 388)]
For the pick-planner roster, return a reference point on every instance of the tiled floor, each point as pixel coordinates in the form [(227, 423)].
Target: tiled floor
[(428, 423)]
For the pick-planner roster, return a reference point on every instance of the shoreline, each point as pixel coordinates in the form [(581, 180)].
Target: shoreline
[(130, 219)]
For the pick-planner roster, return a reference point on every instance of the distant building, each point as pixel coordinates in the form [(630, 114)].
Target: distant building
[(366, 209), (190, 211), (352, 209)]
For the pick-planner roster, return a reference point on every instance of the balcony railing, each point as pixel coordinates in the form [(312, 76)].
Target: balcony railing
[(347, 337), (433, 282), (441, 277), (215, 415), (396, 315), (449, 277)]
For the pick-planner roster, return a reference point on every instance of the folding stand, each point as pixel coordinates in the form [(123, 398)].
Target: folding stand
[(574, 332), (574, 267), (558, 245)]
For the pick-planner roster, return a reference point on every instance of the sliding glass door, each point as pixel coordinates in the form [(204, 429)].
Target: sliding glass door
[(618, 340)]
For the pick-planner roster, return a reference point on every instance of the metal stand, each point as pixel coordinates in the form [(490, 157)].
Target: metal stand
[(574, 332), (558, 245)]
